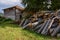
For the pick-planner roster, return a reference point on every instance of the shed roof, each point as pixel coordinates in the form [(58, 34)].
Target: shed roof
[(17, 7)]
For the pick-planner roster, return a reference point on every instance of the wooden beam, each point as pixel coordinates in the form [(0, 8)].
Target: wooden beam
[(45, 31), (56, 30), (39, 31), (21, 24), (26, 22), (37, 27)]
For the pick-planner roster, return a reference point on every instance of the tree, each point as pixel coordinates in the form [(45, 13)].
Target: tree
[(35, 5), (55, 4)]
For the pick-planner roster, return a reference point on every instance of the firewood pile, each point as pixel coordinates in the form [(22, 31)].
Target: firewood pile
[(43, 23)]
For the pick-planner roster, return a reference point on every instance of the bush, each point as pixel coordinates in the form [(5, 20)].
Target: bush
[(4, 20), (7, 20)]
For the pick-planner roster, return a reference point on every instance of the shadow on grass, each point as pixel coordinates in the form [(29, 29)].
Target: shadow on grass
[(40, 35), (3, 25), (6, 24)]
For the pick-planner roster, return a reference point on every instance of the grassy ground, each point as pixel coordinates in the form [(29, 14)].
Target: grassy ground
[(14, 32)]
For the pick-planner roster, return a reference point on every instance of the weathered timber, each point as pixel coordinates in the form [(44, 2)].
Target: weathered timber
[(48, 26), (25, 26), (30, 25), (51, 30), (21, 24), (26, 22), (39, 23), (56, 30), (52, 22), (39, 31), (37, 27), (44, 31), (58, 35)]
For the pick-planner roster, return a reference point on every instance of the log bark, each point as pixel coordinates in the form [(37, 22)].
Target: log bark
[(37, 27), (56, 30), (21, 24), (25, 26), (44, 31), (51, 30), (26, 22), (39, 31), (39, 23)]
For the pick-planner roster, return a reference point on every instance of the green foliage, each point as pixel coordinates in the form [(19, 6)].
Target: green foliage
[(4, 20), (15, 32), (29, 15), (55, 4), (35, 5), (1, 14)]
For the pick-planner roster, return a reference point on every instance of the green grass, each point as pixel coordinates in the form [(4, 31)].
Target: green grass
[(14, 32)]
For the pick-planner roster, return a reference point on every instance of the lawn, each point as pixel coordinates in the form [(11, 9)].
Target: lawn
[(14, 32)]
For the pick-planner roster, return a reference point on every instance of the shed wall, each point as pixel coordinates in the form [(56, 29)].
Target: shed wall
[(9, 14)]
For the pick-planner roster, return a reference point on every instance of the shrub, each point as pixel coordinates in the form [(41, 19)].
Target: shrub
[(4, 20)]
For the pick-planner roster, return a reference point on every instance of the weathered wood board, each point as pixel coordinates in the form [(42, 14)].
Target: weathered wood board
[(39, 31), (21, 24), (44, 31), (56, 30)]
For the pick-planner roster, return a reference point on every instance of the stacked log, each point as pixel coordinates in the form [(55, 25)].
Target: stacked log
[(45, 30), (43, 25)]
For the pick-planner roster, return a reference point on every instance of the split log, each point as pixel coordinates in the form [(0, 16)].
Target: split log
[(21, 24), (48, 26), (25, 26), (58, 35), (51, 30), (26, 22), (39, 31), (37, 27), (56, 30), (30, 25), (44, 31), (39, 23), (34, 24), (52, 22)]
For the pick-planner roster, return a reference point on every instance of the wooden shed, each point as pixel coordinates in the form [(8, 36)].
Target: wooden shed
[(14, 13)]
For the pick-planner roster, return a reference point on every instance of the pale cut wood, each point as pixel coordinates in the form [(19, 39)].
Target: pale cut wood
[(37, 27), (39, 23), (21, 24), (25, 26), (39, 31), (26, 22), (56, 30), (51, 30), (44, 31)]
